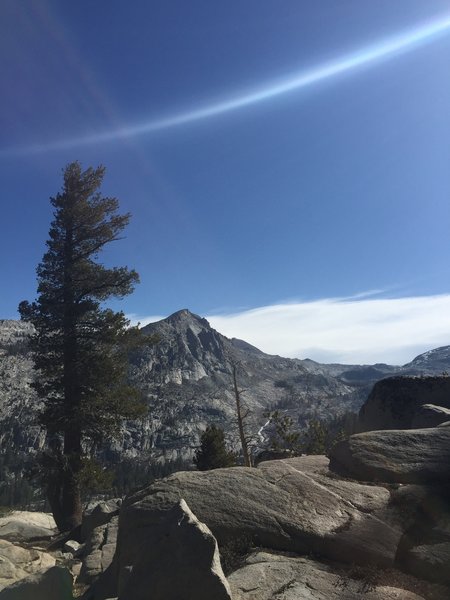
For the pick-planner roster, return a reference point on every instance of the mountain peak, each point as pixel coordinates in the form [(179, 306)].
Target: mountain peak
[(437, 357), (181, 319), (190, 348), (183, 313), (185, 318)]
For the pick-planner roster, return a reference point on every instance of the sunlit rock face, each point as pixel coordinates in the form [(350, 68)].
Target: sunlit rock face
[(419, 456), (188, 349), (187, 378), (295, 509)]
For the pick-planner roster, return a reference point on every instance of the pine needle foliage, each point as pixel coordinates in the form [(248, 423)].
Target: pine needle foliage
[(80, 347)]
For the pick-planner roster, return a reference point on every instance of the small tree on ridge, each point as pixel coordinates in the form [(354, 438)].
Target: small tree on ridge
[(212, 453)]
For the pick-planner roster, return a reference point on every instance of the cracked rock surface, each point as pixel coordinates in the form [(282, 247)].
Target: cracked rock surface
[(268, 576), (291, 505)]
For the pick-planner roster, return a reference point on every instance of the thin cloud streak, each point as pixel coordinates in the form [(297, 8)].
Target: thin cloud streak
[(355, 330), (388, 48)]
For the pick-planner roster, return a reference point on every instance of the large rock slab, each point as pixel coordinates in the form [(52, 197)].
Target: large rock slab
[(178, 559), (430, 415), (273, 577), (425, 548), (24, 526), (295, 505), (285, 505), (399, 456), (430, 561), (53, 584), (17, 562)]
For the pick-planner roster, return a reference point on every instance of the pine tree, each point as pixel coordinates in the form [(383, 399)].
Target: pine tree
[(80, 347), (286, 438), (212, 453), (316, 437)]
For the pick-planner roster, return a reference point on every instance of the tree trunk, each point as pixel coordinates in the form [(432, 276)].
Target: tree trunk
[(54, 488), (71, 503), (70, 493), (71, 496)]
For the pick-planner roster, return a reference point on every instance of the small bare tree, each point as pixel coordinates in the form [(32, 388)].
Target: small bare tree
[(241, 414)]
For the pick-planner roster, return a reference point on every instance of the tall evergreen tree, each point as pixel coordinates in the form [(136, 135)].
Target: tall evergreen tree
[(80, 347)]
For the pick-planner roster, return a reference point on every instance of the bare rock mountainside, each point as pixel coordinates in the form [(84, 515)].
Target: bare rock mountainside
[(18, 403), (186, 381)]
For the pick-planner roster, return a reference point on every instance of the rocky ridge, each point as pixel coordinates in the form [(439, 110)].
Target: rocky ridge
[(305, 532), (288, 529), (371, 522), (186, 381)]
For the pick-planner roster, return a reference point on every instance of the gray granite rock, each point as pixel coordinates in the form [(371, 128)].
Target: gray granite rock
[(73, 547), (400, 456), (394, 402), (17, 562), (53, 584), (286, 505), (99, 551), (98, 514), (431, 561), (430, 415), (177, 559), (425, 548), (21, 525), (273, 577)]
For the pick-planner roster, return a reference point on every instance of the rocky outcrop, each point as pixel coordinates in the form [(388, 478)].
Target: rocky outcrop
[(17, 562), (268, 576), (425, 547), (97, 514), (296, 506), (52, 584), (430, 415), (416, 456), (99, 529), (396, 456), (396, 402), (25, 526), (283, 505), (179, 558), (31, 558), (99, 550)]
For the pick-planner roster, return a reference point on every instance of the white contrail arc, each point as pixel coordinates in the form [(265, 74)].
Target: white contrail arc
[(403, 42)]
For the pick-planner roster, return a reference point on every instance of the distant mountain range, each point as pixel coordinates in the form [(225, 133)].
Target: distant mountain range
[(186, 381)]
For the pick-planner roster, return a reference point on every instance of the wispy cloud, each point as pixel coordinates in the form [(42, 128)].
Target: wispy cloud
[(354, 330), (349, 330)]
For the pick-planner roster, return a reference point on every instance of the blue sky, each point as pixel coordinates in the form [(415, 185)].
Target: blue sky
[(300, 195)]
